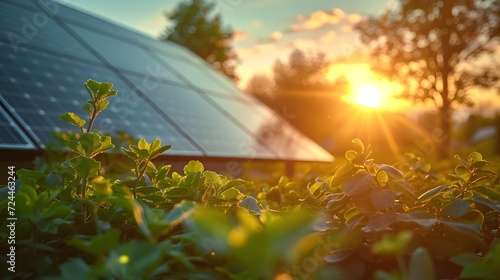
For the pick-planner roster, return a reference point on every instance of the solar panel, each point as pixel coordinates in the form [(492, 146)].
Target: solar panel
[(22, 26), (46, 86), (10, 134), (165, 91)]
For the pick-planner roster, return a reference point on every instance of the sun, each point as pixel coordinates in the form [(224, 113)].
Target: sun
[(369, 96)]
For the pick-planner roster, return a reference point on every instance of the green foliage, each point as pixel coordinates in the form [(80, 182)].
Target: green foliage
[(80, 220), (196, 27)]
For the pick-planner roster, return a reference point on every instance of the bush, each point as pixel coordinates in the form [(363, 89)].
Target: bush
[(77, 219)]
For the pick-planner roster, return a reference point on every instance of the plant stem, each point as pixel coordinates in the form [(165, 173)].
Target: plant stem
[(92, 118), (84, 186)]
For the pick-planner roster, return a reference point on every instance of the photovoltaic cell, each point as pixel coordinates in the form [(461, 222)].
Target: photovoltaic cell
[(36, 28), (10, 134), (39, 98), (165, 91), (215, 133), (117, 52)]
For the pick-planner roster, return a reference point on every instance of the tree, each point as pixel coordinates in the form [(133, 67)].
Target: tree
[(261, 86), (194, 27), (437, 48), (300, 93), (302, 73)]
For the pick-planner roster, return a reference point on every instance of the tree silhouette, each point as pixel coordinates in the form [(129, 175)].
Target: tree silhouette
[(195, 28), (300, 93), (438, 49), (261, 86)]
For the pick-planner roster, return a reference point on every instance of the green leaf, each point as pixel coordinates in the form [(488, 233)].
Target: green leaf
[(381, 221), (486, 202), (392, 245), (147, 190), (358, 184), (105, 143), (421, 218), (382, 199), (85, 167), (102, 105), (478, 271), (315, 189), (143, 145), (135, 260), (73, 119), (455, 208), (462, 172), (351, 155), (159, 151), (130, 154), (382, 178), (156, 144), (490, 192), (359, 143), (98, 244), (232, 194), (251, 204), (466, 259), (474, 157), (92, 87), (344, 172), (480, 164), (421, 265), (75, 269), (141, 153), (180, 212), (29, 177), (90, 143), (212, 177), (390, 170), (433, 192), (232, 184), (193, 166), (88, 108)]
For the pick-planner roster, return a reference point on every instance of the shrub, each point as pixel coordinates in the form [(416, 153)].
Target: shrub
[(80, 220)]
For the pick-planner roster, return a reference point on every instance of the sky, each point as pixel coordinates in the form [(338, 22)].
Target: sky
[(264, 30)]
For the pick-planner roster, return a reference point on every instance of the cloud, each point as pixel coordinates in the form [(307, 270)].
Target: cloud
[(276, 36), (303, 43), (328, 37), (354, 18), (319, 19), (346, 28), (239, 35), (256, 49), (322, 18)]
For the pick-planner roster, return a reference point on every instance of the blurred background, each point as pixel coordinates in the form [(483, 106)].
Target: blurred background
[(405, 75)]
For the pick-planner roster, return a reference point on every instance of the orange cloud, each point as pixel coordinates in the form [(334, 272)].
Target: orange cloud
[(276, 36), (354, 18), (257, 49), (328, 37), (239, 35), (303, 43), (321, 18)]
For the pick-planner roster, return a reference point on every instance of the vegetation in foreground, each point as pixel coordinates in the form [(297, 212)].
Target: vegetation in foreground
[(79, 220)]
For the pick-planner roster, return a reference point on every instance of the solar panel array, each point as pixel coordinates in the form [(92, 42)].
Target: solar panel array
[(48, 50)]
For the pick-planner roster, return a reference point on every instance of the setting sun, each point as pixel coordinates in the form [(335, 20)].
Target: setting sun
[(369, 96)]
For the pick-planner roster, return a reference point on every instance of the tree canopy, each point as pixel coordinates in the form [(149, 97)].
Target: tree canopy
[(196, 27), (438, 49), (300, 92)]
